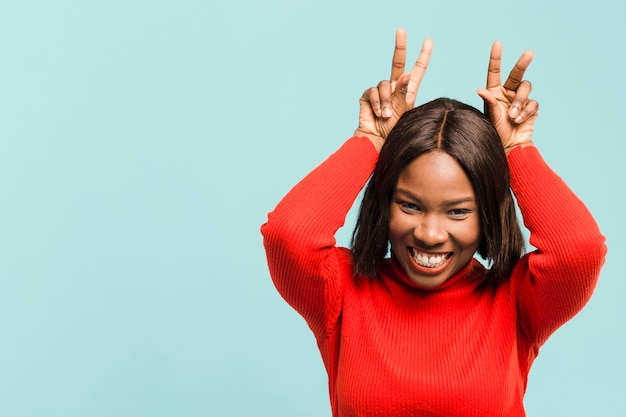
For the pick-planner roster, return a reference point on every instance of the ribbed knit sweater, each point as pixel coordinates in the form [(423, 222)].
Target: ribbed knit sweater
[(464, 348)]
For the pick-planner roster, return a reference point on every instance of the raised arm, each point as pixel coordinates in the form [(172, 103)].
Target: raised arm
[(555, 281), (304, 263)]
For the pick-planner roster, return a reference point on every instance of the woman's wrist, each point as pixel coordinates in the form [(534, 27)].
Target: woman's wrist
[(508, 149), (377, 141)]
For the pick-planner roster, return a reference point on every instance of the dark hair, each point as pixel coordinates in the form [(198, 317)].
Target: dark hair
[(466, 134)]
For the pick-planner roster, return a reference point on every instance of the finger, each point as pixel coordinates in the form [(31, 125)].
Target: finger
[(418, 71), (371, 96), (493, 70), (521, 97), (400, 92), (365, 109), (530, 110), (399, 56), (489, 100), (517, 73), (384, 92)]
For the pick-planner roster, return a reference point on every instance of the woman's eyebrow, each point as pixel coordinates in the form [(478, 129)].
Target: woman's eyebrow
[(446, 203), (459, 201), (406, 194)]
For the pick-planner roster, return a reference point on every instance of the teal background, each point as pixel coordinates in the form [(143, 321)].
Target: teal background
[(143, 142)]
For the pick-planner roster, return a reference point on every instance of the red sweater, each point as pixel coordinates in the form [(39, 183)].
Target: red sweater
[(462, 349)]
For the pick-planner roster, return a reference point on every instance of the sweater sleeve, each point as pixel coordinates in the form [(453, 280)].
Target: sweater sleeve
[(556, 280), (299, 235)]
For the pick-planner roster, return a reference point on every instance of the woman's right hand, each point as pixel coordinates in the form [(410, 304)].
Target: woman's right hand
[(382, 106)]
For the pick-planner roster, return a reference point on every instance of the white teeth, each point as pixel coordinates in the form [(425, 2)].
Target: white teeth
[(429, 261)]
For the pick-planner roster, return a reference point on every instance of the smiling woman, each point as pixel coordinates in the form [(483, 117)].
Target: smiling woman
[(470, 140), (429, 330), (434, 225)]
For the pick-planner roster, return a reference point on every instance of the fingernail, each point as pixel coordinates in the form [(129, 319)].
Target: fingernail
[(386, 112), (518, 119), (514, 112)]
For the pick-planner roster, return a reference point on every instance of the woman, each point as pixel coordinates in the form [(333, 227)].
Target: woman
[(424, 329)]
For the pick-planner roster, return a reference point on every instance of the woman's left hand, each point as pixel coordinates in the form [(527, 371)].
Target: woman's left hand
[(508, 105)]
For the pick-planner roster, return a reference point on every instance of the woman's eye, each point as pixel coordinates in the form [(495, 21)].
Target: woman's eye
[(406, 206), (458, 213)]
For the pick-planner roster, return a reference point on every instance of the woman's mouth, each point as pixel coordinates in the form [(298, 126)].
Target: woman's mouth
[(429, 260)]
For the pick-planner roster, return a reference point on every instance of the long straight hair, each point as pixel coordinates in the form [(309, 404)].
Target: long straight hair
[(464, 133)]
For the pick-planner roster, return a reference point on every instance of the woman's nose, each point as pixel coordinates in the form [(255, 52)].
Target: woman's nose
[(430, 231)]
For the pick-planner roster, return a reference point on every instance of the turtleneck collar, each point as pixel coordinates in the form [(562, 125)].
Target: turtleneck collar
[(472, 273)]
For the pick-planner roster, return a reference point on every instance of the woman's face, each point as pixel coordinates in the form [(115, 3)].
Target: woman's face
[(434, 225)]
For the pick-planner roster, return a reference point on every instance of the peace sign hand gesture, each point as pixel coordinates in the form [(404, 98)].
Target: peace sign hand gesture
[(508, 106), (382, 106)]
